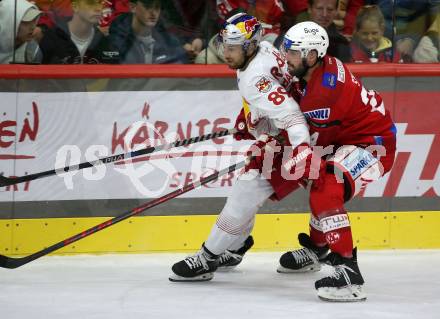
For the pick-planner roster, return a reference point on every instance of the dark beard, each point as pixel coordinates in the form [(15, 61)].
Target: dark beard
[(239, 66), (300, 72), (245, 63)]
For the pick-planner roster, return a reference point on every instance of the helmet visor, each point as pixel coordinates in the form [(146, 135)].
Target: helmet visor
[(225, 46)]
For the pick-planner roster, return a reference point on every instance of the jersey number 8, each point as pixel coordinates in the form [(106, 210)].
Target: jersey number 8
[(277, 97)]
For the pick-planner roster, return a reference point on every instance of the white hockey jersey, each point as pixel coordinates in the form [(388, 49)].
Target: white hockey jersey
[(264, 85)]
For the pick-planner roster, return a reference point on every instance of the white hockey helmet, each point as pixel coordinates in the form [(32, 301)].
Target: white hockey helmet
[(241, 29), (306, 36)]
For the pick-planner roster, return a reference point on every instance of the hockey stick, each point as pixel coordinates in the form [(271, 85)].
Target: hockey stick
[(5, 181), (12, 263)]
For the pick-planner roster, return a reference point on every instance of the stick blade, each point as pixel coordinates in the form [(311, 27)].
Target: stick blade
[(4, 181), (11, 263)]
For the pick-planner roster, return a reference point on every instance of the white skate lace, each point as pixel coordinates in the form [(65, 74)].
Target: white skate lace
[(196, 261), (227, 255), (341, 270), (303, 255)]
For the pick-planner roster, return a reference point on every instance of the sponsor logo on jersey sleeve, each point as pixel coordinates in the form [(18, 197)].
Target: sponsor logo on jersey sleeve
[(358, 162), (341, 71), (362, 165), (318, 114), (329, 80), (264, 85)]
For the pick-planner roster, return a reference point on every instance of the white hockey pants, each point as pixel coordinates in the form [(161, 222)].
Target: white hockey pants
[(236, 220)]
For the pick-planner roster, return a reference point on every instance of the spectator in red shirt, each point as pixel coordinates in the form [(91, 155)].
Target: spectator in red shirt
[(369, 43), (268, 12), (296, 11), (53, 11), (111, 10), (346, 17)]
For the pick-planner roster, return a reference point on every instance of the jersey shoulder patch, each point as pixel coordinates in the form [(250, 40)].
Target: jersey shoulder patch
[(341, 71), (333, 71), (264, 84), (329, 80)]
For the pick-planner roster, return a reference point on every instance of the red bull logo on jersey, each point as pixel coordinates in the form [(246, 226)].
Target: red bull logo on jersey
[(264, 85), (319, 114)]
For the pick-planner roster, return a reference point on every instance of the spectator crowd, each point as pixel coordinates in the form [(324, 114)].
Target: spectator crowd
[(184, 31)]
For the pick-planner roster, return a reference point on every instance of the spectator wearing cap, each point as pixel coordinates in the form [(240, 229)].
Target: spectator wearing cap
[(17, 44), (79, 41), (140, 37)]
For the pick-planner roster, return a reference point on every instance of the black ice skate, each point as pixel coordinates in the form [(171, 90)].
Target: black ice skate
[(199, 267), (306, 259), (231, 258), (345, 284)]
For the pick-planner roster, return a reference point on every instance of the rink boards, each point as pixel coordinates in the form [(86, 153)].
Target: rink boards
[(371, 230), (47, 123)]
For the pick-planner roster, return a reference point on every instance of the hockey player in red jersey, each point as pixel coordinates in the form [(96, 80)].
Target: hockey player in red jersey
[(356, 135), (352, 133)]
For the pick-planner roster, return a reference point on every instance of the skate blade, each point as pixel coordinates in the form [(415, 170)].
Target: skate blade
[(311, 268), (346, 294), (204, 277), (226, 268)]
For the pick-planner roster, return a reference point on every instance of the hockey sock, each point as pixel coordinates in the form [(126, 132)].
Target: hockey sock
[(317, 237), (238, 243), (337, 230), (316, 234), (327, 204), (219, 240)]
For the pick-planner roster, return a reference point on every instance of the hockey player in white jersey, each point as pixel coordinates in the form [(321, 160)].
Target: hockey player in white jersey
[(268, 113)]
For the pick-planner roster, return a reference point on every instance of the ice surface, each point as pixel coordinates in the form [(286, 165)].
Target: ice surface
[(399, 284)]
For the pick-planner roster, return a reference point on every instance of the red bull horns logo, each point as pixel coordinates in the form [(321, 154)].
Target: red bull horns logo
[(247, 27), (250, 25)]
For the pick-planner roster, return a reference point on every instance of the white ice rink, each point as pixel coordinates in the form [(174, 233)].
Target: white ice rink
[(400, 284)]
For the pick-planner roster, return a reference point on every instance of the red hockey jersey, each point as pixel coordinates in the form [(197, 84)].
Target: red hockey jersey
[(341, 111)]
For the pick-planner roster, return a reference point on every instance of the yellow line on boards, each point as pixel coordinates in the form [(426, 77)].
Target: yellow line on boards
[(371, 230)]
